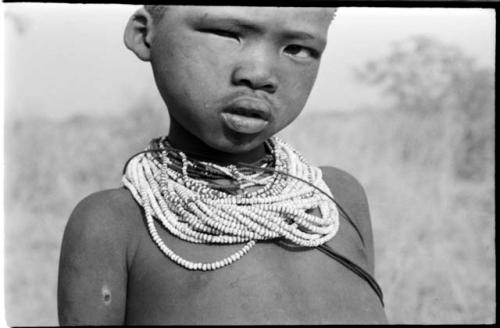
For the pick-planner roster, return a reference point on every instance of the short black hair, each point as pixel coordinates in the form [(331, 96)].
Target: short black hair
[(156, 11)]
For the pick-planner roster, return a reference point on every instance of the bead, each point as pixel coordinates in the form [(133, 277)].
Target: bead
[(179, 193)]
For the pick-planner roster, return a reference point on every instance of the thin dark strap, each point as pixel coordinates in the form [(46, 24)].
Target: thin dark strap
[(342, 210), (354, 268), (324, 248)]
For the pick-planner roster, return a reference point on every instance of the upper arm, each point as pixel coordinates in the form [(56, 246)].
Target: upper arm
[(351, 196), (93, 268)]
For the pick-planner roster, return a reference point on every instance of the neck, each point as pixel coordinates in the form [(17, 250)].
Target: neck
[(195, 148)]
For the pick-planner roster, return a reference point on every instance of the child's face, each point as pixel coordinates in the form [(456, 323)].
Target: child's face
[(235, 76)]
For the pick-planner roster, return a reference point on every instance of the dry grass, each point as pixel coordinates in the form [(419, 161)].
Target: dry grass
[(434, 233)]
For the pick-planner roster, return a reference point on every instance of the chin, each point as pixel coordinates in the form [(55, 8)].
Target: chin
[(243, 139)]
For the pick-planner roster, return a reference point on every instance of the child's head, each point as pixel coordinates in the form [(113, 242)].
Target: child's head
[(231, 76)]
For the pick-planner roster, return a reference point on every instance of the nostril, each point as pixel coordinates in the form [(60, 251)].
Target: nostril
[(258, 85), (255, 78), (270, 88), (246, 83)]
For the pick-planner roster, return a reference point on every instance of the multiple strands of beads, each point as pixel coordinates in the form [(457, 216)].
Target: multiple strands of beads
[(192, 210)]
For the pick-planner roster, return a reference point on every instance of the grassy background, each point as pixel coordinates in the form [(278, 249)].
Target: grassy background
[(433, 227)]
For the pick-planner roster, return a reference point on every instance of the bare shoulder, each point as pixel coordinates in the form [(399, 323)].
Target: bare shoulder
[(111, 201), (351, 196), (346, 187), (109, 216), (108, 209), (98, 246)]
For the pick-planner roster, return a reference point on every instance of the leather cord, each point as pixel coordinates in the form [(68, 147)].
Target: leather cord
[(323, 248), (354, 268)]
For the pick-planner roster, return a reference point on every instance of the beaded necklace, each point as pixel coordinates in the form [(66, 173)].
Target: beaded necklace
[(232, 179), (201, 170), (169, 188)]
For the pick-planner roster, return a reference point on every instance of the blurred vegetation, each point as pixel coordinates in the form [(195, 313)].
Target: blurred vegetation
[(427, 165), (425, 76)]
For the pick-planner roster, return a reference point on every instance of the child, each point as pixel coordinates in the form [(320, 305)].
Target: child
[(220, 222)]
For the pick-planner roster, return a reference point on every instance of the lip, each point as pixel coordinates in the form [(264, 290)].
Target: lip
[(247, 115)]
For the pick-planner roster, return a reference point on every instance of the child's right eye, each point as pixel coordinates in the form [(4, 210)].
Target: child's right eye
[(223, 33)]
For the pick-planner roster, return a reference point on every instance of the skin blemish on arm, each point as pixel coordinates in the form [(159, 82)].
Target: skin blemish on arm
[(106, 295)]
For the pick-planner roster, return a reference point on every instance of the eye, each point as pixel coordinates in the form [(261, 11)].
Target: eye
[(223, 33), (301, 52)]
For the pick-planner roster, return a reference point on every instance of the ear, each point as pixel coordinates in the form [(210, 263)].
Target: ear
[(139, 33)]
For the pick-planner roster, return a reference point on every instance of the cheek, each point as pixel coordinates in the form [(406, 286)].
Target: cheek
[(295, 93), (307, 77), (192, 69), (299, 86)]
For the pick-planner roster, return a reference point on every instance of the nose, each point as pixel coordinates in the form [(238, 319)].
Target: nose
[(256, 72)]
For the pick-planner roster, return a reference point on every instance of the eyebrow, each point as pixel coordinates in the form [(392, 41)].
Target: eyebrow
[(301, 35), (243, 24), (248, 25)]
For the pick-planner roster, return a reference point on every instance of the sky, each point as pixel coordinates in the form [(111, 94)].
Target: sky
[(67, 59)]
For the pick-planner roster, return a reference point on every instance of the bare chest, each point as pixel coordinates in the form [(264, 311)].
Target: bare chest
[(271, 284)]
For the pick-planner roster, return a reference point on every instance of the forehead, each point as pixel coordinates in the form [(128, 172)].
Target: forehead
[(285, 18)]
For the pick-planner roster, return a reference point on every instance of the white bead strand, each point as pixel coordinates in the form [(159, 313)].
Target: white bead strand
[(193, 211)]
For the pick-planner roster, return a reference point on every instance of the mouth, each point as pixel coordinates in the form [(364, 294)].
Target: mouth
[(247, 116), (249, 112)]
